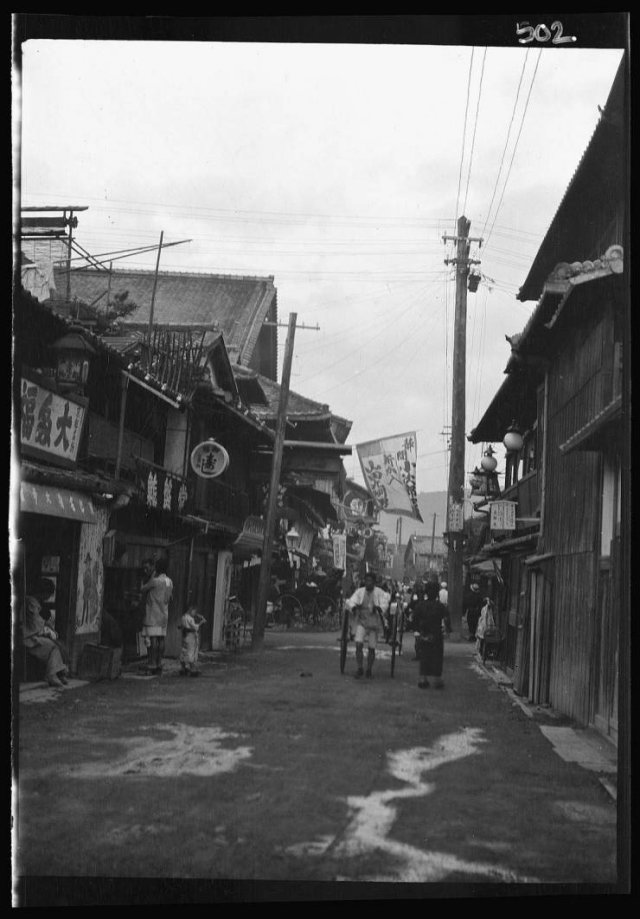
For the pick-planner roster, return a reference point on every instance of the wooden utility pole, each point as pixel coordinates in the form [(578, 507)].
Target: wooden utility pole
[(257, 639), (455, 496), (153, 299), (433, 536)]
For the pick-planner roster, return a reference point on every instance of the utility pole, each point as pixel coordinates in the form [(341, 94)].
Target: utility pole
[(455, 497), (153, 300), (433, 535), (257, 639)]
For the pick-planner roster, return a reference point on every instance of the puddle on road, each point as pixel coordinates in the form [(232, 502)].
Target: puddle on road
[(372, 818), (187, 751)]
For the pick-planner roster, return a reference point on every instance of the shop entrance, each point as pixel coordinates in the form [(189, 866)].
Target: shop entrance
[(49, 547)]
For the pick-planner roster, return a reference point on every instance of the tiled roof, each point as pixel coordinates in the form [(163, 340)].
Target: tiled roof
[(298, 407), (236, 305)]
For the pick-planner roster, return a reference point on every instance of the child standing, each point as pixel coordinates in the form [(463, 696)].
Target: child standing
[(190, 625)]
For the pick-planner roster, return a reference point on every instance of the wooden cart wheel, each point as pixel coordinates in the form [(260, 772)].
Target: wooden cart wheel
[(344, 638)]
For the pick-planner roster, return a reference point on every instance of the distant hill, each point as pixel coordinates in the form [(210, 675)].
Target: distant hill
[(430, 503)]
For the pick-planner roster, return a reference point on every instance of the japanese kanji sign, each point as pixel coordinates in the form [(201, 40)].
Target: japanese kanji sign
[(209, 459), (56, 502), (164, 491), (455, 518), (340, 551), (50, 424), (503, 515), (389, 468)]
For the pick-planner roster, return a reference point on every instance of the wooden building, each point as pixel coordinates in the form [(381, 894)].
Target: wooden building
[(561, 603)]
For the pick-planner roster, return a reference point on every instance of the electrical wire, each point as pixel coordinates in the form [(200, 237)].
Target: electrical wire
[(475, 125), (515, 147), (464, 134), (506, 143)]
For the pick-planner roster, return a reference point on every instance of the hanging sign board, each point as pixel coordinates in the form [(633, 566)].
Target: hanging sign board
[(340, 551), (209, 459), (50, 423), (503, 515)]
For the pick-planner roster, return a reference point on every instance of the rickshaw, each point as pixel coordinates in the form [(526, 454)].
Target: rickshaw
[(393, 630)]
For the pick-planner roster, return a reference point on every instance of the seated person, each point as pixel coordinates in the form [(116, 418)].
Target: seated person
[(40, 639)]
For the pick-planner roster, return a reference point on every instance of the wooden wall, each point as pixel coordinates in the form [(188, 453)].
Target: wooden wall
[(572, 519)]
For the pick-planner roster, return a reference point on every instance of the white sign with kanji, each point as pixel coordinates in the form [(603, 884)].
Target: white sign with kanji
[(209, 459), (503, 515), (456, 517), (50, 424)]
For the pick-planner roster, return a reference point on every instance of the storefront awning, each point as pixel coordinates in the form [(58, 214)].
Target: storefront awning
[(595, 433), (56, 502)]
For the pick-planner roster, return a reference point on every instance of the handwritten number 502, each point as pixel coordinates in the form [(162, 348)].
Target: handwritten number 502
[(542, 33)]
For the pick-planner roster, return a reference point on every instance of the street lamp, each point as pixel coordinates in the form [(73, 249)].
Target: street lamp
[(293, 539), (513, 438), (488, 461), (73, 356)]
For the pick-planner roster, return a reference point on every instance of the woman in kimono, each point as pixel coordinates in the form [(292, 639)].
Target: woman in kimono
[(428, 618)]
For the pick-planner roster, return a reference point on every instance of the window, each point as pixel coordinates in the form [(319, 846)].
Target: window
[(610, 504)]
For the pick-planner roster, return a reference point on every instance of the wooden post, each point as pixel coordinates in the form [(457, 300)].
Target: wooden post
[(257, 639), (153, 299), (433, 538), (124, 382), (456, 466)]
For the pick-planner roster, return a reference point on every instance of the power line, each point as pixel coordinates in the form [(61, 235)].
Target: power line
[(515, 147), (475, 125), (506, 143), (464, 132)]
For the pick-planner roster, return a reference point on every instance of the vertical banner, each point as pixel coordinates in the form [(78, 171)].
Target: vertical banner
[(389, 469), (340, 551), (222, 590)]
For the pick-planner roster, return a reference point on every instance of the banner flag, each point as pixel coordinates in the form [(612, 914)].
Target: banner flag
[(389, 469)]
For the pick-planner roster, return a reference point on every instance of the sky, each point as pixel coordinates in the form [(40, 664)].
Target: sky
[(338, 169)]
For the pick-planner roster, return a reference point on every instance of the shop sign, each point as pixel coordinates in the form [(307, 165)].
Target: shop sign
[(209, 459), (50, 424), (340, 551), (503, 515), (56, 502), (164, 491), (456, 517)]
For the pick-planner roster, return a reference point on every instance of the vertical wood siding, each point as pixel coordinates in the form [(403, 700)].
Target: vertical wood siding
[(571, 533)]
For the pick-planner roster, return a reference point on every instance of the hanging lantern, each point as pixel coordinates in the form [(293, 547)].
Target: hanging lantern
[(513, 438), (292, 539), (488, 461), (73, 356)]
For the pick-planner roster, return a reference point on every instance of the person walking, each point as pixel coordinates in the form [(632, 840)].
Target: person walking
[(429, 617), (369, 603), (157, 591), (473, 604)]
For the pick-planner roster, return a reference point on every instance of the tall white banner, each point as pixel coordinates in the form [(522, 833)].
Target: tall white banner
[(389, 469)]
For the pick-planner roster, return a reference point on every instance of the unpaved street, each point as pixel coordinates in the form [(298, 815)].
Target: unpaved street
[(274, 766)]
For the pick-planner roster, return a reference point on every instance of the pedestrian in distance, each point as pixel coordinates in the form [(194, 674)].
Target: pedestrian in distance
[(190, 624), (157, 591), (428, 618), (369, 604), (443, 596), (473, 603)]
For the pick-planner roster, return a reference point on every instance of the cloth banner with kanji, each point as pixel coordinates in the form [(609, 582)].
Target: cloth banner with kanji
[(389, 469)]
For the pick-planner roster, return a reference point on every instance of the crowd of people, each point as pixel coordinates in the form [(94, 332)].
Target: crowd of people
[(425, 606), (372, 609)]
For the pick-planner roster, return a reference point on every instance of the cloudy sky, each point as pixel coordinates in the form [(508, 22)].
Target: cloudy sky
[(336, 168)]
